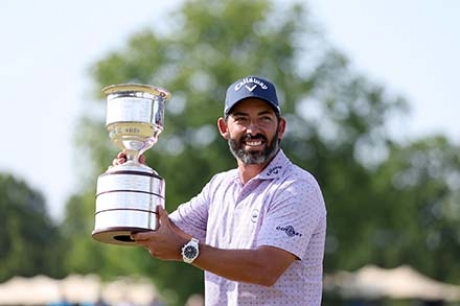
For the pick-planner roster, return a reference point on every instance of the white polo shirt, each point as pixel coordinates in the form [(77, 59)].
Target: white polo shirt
[(282, 207)]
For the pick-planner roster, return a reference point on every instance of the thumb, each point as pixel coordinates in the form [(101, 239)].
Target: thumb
[(163, 214)]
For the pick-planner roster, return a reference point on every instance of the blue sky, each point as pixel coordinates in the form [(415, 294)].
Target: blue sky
[(411, 47)]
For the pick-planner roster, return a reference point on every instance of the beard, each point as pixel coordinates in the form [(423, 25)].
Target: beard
[(250, 156)]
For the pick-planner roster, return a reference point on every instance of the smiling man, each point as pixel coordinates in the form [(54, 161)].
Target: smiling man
[(258, 231)]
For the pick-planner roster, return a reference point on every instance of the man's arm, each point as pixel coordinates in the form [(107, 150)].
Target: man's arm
[(261, 266)]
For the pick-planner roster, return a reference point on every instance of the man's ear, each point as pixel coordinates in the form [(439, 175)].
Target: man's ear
[(222, 126), (281, 127)]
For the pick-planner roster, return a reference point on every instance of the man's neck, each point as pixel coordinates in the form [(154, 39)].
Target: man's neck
[(249, 171)]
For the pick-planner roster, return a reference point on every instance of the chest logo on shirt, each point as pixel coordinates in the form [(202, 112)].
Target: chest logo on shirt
[(254, 215), (273, 170), (289, 230)]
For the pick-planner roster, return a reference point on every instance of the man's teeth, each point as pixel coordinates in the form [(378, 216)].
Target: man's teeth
[(254, 143)]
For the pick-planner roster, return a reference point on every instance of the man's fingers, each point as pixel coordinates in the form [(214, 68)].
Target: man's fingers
[(162, 213), (122, 158), (142, 159), (142, 236)]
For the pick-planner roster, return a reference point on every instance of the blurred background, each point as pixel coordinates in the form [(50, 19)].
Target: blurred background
[(369, 90)]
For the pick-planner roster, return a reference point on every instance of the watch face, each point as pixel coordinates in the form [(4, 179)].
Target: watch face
[(190, 251)]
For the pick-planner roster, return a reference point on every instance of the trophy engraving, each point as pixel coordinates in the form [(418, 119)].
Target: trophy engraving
[(128, 195)]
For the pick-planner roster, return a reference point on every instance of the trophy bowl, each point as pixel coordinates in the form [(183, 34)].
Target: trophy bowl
[(128, 195)]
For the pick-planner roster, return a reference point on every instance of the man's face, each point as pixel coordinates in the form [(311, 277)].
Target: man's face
[(253, 131)]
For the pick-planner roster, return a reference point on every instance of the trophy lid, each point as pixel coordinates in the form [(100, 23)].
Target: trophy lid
[(153, 90)]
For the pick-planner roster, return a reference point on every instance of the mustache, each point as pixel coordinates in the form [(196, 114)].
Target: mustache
[(253, 137)]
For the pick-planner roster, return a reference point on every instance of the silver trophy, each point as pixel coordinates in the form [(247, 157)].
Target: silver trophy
[(128, 195)]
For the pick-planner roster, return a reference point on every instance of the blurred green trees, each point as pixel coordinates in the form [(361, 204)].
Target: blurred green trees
[(29, 241), (389, 203)]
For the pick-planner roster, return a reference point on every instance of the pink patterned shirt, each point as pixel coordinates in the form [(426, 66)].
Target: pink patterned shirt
[(282, 207)]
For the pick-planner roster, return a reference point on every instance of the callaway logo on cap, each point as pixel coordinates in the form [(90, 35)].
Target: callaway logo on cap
[(251, 87)]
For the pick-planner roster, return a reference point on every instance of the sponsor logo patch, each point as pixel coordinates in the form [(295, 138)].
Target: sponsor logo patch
[(289, 230)]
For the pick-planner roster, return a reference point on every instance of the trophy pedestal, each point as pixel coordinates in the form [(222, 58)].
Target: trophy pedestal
[(127, 201)]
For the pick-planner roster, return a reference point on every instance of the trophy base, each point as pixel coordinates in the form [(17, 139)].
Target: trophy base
[(117, 235), (127, 201)]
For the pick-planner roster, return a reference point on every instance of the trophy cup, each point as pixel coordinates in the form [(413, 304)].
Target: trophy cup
[(129, 194)]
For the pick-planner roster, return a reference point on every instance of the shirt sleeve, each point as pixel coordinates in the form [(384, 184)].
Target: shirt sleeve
[(191, 217), (296, 218)]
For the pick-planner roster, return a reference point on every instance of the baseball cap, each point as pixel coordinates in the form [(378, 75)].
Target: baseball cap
[(251, 87)]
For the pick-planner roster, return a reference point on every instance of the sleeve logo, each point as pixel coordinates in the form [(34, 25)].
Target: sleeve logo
[(289, 230)]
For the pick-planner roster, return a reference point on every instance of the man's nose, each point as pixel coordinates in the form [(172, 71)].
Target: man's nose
[(252, 128)]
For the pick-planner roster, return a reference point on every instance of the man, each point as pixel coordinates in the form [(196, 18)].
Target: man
[(257, 231)]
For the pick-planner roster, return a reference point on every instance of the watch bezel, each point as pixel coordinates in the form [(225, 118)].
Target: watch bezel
[(190, 250)]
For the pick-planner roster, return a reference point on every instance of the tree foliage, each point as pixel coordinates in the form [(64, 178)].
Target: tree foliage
[(417, 218), (29, 241)]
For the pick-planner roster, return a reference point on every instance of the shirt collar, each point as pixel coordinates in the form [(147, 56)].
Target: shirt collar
[(276, 167), (273, 170)]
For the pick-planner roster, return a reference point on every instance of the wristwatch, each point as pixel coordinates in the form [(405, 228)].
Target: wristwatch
[(190, 250)]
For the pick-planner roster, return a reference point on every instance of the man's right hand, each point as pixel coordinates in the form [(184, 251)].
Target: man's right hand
[(121, 159)]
